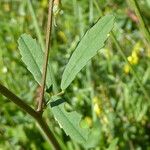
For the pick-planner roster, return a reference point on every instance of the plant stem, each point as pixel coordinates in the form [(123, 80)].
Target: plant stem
[(19, 102), (120, 49), (48, 133), (41, 41), (26, 108), (48, 43), (141, 20), (55, 87), (133, 71), (89, 65)]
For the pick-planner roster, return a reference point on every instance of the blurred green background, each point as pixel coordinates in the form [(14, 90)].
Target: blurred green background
[(105, 92)]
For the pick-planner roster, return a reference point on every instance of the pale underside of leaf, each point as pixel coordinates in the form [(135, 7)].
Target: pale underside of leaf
[(89, 45), (32, 56), (70, 122)]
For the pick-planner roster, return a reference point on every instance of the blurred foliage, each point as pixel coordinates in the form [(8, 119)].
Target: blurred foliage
[(105, 92)]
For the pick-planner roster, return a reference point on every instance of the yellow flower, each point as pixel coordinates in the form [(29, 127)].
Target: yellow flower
[(133, 59), (127, 69), (97, 109), (130, 59)]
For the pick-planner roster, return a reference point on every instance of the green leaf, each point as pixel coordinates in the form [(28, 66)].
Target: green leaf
[(69, 121), (89, 45), (94, 137), (32, 56), (113, 144)]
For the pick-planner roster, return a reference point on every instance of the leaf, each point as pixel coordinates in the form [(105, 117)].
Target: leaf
[(89, 45), (94, 137), (113, 144), (32, 56), (69, 121)]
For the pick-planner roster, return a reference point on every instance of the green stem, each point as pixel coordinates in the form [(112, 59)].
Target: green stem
[(48, 44), (89, 66), (19, 102), (132, 69), (49, 134), (39, 35), (26, 108), (120, 49), (141, 20)]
